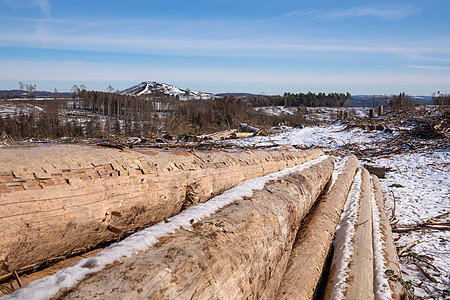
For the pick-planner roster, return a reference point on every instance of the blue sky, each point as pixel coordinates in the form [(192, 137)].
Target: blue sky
[(271, 47)]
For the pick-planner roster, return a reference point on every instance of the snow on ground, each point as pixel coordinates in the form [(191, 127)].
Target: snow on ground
[(277, 110), (425, 178), (12, 109), (316, 114), (330, 136), (345, 232)]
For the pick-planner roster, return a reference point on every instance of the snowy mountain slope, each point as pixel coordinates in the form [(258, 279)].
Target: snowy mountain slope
[(156, 89)]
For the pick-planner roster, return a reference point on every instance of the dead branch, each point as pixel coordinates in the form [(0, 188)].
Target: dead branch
[(422, 258), (425, 272), (438, 217), (437, 224), (399, 230), (393, 210), (18, 278), (409, 246), (427, 263)]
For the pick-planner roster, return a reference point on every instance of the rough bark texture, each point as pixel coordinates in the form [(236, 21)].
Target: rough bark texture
[(390, 251), (360, 275), (314, 239), (361, 264), (236, 135), (57, 200), (233, 254)]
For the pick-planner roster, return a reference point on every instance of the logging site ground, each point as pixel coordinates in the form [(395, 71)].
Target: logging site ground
[(411, 149), (417, 184)]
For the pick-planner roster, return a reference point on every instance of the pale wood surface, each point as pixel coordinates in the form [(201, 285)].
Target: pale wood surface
[(236, 135), (56, 200), (360, 274), (314, 239), (234, 254), (361, 264), (390, 251)]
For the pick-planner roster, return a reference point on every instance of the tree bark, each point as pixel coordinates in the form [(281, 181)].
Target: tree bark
[(58, 200), (359, 276), (314, 239), (234, 254), (236, 135), (390, 251)]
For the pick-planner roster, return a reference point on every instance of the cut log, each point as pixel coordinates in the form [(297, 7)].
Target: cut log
[(380, 110), (389, 252), (351, 274), (237, 135), (305, 265), (246, 127), (218, 135), (58, 200), (234, 254)]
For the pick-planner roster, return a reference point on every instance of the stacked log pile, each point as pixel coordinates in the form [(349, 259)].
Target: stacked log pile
[(364, 254), (238, 253), (316, 235), (58, 200), (273, 244)]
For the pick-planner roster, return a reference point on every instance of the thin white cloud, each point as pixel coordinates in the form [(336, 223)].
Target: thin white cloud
[(92, 72), (45, 6), (394, 12), (433, 68), (239, 46), (206, 38)]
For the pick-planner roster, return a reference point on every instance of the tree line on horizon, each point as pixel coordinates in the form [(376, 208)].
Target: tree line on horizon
[(112, 113), (123, 115)]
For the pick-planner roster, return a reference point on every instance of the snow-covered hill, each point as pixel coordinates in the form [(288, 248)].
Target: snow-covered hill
[(156, 89)]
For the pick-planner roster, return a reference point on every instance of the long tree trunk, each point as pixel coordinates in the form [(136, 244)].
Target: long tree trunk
[(234, 254), (58, 200), (356, 278), (305, 265), (389, 251)]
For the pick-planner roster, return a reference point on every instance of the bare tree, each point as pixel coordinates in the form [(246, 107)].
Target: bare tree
[(31, 89), (75, 91), (56, 95), (110, 89), (21, 87)]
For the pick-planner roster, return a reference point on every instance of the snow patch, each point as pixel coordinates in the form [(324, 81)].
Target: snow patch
[(48, 287), (329, 137), (338, 169), (163, 89), (343, 239), (381, 284), (425, 178)]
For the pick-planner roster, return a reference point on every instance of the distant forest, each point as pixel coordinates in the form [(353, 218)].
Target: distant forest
[(100, 114), (300, 99), (108, 114)]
